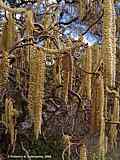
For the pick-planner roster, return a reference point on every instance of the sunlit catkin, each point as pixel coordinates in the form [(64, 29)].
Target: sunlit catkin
[(10, 119), (29, 22), (36, 88), (83, 152), (82, 8), (96, 57), (57, 71), (96, 94), (101, 117), (67, 74), (7, 40), (114, 39), (88, 68), (9, 34), (29, 27), (114, 118), (107, 47), (4, 70), (65, 86)]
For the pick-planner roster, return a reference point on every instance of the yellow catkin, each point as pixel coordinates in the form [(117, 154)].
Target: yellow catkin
[(102, 120), (67, 63), (36, 88), (9, 34), (96, 56), (82, 8), (4, 70), (67, 143), (10, 119), (7, 40), (83, 152), (114, 118), (29, 32), (71, 64), (107, 48), (57, 75), (29, 22), (95, 106), (71, 72), (88, 68), (114, 39), (57, 71), (65, 86)]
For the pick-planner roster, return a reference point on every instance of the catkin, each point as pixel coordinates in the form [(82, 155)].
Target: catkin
[(57, 71), (102, 120), (82, 8), (97, 103), (65, 86), (10, 119), (29, 32), (95, 106), (4, 70), (67, 74), (114, 39), (9, 34), (71, 64), (29, 22), (83, 152), (107, 48), (114, 118), (96, 56), (36, 88), (67, 142), (7, 40), (88, 68)]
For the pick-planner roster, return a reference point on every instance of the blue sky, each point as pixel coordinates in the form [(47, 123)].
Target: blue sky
[(76, 28)]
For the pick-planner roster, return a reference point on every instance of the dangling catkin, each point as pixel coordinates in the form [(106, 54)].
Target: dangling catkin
[(82, 8), (96, 57), (114, 39), (67, 74), (83, 152), (94, 109), (29, 22), (102, 120), (88, 68), (71, 72), (10, 119), (9, 33), (29, 32), (114, 118), (108, 43), (65, 87), (71, 64), (36, 88), (66, 141), (7, 40), (4, 70), (57, 71), (95, 117)]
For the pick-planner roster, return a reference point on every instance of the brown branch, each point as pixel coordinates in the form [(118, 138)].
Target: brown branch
[(88, 72), (21, 46), (93, 23)]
